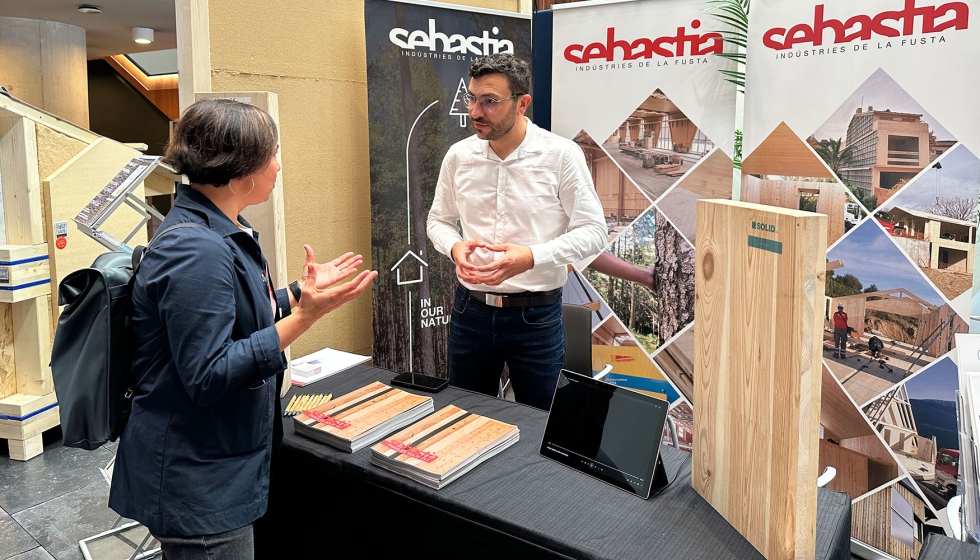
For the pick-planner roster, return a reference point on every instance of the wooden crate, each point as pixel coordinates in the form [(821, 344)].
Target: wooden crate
[(759, 295), (45, 163)]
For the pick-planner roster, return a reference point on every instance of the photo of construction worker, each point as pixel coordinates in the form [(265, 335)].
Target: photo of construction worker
[(884, 296), (840, 332)]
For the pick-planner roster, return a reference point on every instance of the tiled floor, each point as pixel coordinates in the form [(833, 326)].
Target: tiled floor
[(53, 501)]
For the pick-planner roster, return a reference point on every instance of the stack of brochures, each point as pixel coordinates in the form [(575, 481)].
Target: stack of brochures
[(362, 417), (443, 446), (322, 364)]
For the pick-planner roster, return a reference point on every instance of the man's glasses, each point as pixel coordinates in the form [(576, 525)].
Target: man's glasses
[(488, 104)]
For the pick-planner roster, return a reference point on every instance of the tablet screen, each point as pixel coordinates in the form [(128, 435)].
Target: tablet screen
[(608, 432)]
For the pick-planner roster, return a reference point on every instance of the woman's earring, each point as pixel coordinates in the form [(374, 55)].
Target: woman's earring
[(249, 190)]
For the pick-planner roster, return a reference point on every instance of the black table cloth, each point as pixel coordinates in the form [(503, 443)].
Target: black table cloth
[(516, 505)]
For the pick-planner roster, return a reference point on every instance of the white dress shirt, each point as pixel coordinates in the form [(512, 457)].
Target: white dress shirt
[(541, 196)]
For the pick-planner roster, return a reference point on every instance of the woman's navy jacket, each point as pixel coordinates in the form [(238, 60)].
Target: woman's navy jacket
[(195, 455)]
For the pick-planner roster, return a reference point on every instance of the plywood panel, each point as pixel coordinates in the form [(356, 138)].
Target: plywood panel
[(783, 153), (830, 201), (838, 415), (69, 189), (757, 380), (712, 178), (54, 148), (852, 469)]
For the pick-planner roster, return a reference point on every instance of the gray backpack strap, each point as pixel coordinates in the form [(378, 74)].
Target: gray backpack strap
[(140, 250)]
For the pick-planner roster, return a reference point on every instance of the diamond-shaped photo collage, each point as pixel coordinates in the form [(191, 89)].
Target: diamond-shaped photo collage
[(648, 173), (901, 199)]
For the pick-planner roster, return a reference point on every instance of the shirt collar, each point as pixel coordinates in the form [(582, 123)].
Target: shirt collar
[(196, 202), (530, 144)]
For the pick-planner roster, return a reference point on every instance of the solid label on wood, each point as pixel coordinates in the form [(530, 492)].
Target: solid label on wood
[(757, 370)]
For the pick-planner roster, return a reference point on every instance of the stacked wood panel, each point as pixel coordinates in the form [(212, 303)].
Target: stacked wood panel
[(759, 302)]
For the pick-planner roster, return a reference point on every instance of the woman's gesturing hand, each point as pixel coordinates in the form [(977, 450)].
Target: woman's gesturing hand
[(328, 274), (322, 288)]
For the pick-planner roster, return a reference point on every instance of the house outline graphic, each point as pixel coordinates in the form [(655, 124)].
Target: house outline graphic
[(398, 273)]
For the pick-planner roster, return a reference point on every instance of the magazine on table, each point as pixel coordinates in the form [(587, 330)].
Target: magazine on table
[(362, 417)]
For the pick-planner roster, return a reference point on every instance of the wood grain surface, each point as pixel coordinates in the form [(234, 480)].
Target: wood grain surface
[(759, 299), (364, 409), (449, 434)]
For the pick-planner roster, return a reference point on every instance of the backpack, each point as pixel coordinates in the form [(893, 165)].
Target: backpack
[(92, 355)]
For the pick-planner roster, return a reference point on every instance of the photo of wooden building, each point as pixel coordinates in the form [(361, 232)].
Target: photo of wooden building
[(891, 520), (621, 201), (934, 241), (656, 144)]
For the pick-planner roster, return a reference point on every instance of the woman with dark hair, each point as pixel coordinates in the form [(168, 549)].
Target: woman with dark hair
[(194, 459)]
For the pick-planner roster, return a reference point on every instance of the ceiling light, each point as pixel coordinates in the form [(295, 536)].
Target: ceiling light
[(89, 9), (143, 35)]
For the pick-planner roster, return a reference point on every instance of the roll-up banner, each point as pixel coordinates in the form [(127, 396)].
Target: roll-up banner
[(861, 111), (418, 55), (639, 87)]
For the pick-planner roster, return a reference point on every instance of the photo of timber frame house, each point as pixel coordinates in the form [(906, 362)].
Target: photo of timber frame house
[(888, 149), (934, 241)]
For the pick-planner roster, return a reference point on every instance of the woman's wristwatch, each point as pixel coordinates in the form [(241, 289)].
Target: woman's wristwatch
[(296, 290)]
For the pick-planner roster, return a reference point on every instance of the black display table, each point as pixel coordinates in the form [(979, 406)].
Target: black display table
[(516, 505)]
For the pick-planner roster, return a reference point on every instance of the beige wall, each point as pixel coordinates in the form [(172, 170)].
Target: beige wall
[(312, 54)]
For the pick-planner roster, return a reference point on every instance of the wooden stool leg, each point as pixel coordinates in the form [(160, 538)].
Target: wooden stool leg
[(22, 450)]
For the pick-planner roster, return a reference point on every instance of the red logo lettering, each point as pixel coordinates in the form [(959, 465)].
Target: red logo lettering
[(328, 420), (680, 44), (909, 20)]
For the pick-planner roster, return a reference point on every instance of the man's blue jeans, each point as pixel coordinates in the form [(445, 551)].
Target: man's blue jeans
[(531, 340)]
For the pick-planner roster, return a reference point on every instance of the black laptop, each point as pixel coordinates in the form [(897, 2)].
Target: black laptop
[(608, 432)]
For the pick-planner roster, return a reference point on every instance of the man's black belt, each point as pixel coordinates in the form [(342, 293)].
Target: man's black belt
[(519, 299)]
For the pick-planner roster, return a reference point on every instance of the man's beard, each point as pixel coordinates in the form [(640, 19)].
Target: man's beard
[(498, 131)]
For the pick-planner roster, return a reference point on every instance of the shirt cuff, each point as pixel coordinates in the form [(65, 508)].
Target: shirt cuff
[(268, 357), (447, 243), (282, 300), (543, 254)]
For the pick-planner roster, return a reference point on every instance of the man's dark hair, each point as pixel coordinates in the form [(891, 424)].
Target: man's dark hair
[(218, 140), (518, 72)]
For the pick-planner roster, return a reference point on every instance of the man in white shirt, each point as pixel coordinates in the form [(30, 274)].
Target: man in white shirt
[(527, 207)]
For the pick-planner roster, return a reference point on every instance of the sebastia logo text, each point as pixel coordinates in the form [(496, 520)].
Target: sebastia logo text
[(455, 43), (910, 20), (681, 44)]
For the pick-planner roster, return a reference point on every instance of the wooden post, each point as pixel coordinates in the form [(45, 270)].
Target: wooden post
[(193, 50), (759, 304)]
